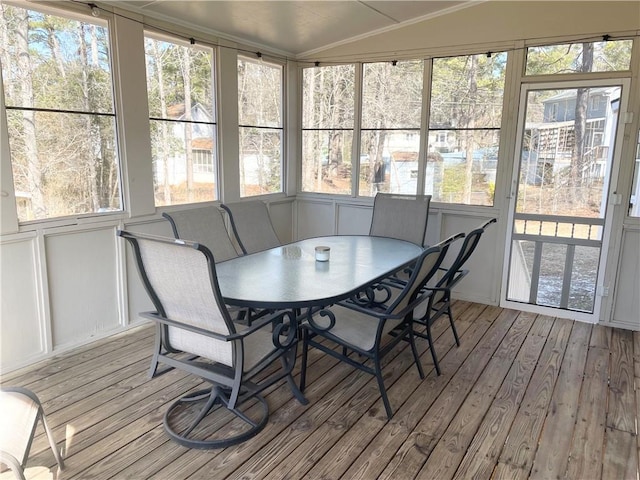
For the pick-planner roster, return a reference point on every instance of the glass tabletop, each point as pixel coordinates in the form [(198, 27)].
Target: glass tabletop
[(291, 277)]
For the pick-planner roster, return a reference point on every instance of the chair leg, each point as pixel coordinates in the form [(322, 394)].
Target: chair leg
[(287, 365), (416, 357), (453, 326), (383, 390), (157, 347), (52, 441), (432, 349)]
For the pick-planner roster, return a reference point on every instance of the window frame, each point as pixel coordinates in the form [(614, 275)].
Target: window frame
[(283, 121), (105, 21), (354, 129), (150, 33)]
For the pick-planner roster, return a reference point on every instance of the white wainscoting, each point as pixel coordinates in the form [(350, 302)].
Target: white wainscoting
[(83, 286), (23, 338), (626, 307), (60, 289)]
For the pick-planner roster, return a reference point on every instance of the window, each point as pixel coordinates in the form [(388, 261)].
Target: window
[(327, 128), (180, 86), (466, 106), (606, 56), (390, 128), (260, 117), (60, 114)]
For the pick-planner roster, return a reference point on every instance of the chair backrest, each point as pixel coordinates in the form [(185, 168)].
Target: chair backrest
[(180, 278), (424, 269), (204, 225), (400, 216), (470, 243), (252, 226)]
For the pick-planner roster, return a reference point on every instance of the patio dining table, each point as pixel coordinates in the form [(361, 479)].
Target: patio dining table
[(289, 277)]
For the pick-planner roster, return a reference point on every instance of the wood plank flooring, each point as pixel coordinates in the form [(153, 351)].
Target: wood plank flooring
[(524, 396)]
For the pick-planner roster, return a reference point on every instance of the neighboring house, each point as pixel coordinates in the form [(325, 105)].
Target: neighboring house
[(548, 146), (202, 146)]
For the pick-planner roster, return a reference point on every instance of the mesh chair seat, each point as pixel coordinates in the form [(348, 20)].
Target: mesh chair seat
[(356, 330)]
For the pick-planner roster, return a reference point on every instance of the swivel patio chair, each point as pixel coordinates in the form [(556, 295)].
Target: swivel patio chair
[(20, 410), (400, 216), (206, 226), (252, 226), (194, 333), (439, 298), (362, 331)]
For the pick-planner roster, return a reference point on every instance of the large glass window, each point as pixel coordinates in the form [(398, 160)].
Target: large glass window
[(327, 128), (605, 56), (390, 128), (464, 128), (60, 114), (180, 86), (260, 117)]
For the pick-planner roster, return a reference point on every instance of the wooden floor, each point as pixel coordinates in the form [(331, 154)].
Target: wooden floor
[(524, 396)]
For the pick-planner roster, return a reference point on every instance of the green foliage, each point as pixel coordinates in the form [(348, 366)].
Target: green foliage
[(613, 55)]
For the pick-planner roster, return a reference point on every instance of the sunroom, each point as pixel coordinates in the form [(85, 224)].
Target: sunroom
[(114, 113)]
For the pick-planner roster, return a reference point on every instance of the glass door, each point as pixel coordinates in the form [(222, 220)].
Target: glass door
[(559, 215)]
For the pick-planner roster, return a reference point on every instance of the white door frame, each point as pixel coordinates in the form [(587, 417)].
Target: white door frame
[(606, 259)]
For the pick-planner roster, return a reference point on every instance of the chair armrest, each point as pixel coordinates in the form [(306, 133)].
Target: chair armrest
[(383, 314), (457, 276), (208, 333), (173, 323)]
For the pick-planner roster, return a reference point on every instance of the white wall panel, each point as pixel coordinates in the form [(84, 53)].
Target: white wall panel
[(354, 219), (315, 218), (626, 311), (82, 279), (22, 337)]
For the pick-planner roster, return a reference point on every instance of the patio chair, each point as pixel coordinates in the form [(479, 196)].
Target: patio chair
[(439, 298), (252, 226), (20, 410), (194, 333), (400, 216), (206, 226), (362, 331)]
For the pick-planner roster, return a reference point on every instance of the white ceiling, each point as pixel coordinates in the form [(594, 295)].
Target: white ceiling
[(291, 27)]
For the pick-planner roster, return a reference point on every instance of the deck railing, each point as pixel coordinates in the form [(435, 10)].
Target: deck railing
[(557, 230)]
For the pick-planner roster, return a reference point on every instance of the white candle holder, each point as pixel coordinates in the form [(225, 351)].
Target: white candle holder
[(322, 253)]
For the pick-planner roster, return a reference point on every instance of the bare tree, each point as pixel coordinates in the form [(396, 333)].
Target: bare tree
[(162, 147), (469, 122), (577, 158), (34, 177), (185, 67)]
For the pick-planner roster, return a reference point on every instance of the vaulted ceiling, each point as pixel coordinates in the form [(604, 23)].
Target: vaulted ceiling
[(295, 28)]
